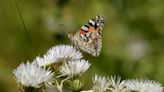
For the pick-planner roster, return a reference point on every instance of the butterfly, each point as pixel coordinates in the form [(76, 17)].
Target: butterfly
[(89, 37)]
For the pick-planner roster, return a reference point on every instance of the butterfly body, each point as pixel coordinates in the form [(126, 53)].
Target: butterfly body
[(89, 37)]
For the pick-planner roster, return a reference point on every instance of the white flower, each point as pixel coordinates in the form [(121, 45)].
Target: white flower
[(65, 52), (45, 60), (59, 53), (117, 85), (31, 75), (100, 84), (74, 68), (141, 85)]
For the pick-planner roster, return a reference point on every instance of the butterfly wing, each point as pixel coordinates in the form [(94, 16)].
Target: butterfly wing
[(89, 38)]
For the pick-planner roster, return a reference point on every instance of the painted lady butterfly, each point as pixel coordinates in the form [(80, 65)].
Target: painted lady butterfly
[(89, 37)]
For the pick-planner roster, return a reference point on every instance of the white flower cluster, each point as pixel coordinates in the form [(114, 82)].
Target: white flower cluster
[(33, 74), (73, 64), (36, 73), (114, 84)]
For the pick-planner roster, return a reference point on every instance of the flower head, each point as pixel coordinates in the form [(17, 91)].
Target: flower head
[(59, 53), (74, 68), (47, 59), (31, 75), (100, 84), (117, 85), (141, 85)]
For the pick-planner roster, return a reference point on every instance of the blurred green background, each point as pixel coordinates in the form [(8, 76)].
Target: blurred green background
[(133, 36)]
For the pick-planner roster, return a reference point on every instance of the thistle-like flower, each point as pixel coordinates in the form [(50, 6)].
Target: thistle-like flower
[(59, 53), (31, 75), (117, 85), (74, 68), (141, 85), (100, 83)]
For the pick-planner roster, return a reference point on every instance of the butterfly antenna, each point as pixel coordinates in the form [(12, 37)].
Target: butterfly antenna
[(23, 23)]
